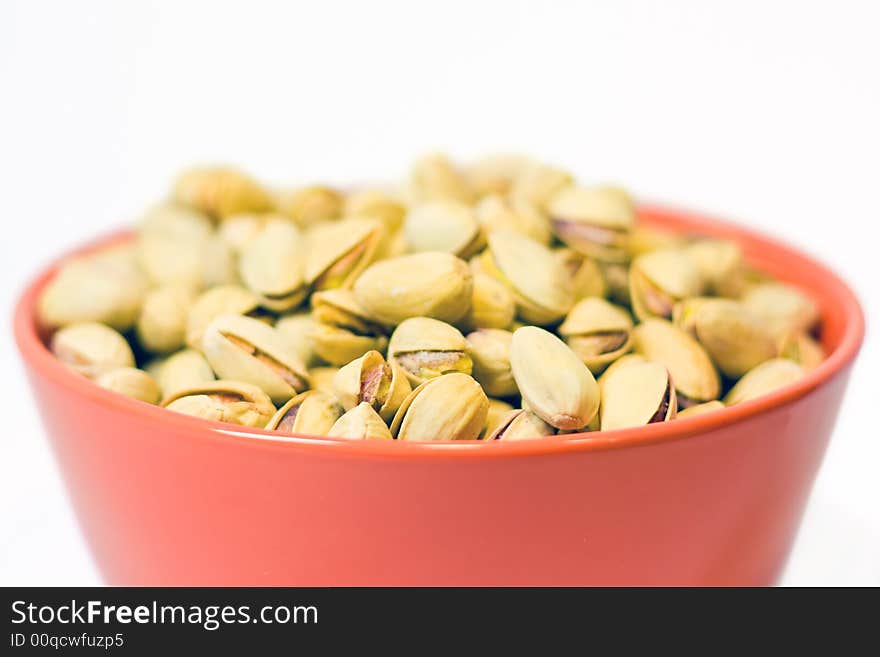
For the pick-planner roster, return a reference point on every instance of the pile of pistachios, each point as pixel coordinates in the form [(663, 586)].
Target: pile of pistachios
[(499, 300)]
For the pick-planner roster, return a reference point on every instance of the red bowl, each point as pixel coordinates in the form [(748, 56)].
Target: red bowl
[(716, 499)]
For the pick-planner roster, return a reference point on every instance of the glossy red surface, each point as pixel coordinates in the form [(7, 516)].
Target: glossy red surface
[(166, 499)]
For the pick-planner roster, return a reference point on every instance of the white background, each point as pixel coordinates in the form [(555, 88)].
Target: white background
[(764, 112)]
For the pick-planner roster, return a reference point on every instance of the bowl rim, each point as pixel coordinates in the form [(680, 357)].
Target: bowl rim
[(39, 360)]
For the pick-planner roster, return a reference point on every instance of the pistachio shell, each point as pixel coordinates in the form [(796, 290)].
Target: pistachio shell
[(376, 204), (430, 284), (237, 231), (624, 361), (425, 348), (636, 395), (498, 412), (496, 174), (595, 222), (490, 351), (91, 348), (339, 346), (518, 215), (617, 279), (187, 368), (521, 425), (235, 402), (644, 239), (220, 300), (553, 381), (699, 409), (598, 332), (449, 407), (298, 329), (322, 378), (538, 183), (803, 349), (131, 382), (765, 378), (444, 225), (587, 279), (370, 379), (659, 279), (338, 252), (221, 191), (492, 304), (434, 177), (721, 266), (309, 206), (161, 326), (311, 413), (271, 266), (360, 423), (783, 307)]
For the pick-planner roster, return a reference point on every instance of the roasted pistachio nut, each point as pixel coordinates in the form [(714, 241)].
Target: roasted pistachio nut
[(620, 363), (735, 338), (234, 402), (598, 332), (660, 279), (492, 304), (312, 205), (636, 395), (444, 225), (246, 349), (378, 205), (449, 407), (360, 423), (210, 304), (538, 183), (221, 191), (519, 215), (692, 371), (338, 252), (298, 328), (699, 409), (721, 266), (430, 284), (765, 378), (371, 379), (643, 239), (783, 307), (131, 382), (587, 279), (803, 349), (595, 222), (426, 348), (539, 282), (617, 279), (498, 412), (490, 351), (185, 369), (175, 223), (521, 425), (91, 348), (271, 266), (161, 326), (342, 330), (434, 177), (322, 378), (496, 174), (339, 346), (312, 413), (553, 381), (238, 230)]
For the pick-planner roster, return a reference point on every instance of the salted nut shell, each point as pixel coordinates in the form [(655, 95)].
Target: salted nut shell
[(699, 409), (185, 369), (448, 407), (538, 281), (537, 183), (765, 378), (692, 371), (496, 174), (308, 206), (343, 331), (492, 304), (235, 402), (246, 349), (624, 361), (595, 222), (721, 266), (131, 382), (238, 230), (598, 332), (338, 252), (431, 284), (161, 326), (221, 191), (802, 348), (378, 205), (271, 266), (734, 337), (444, 225), (553, 381), (496, 212), (220, 300), (587, 279), (660, 279), (91, 349), (311, 413), (370, 379), (434, 177), (360, 423), (490, 351), (425, 348), (521, 425), (637, 395), (784, 308), (498, 412)]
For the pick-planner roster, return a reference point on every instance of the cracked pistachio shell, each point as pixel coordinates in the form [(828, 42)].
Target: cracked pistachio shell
[(539, 282), (587, 279), (308, 206), (765, 378), (598, 332), (538, 183), (370, 379), (593, 221), (490, 352), (311, 413), (220, 191), (434, 177), (783, 307), (637, 395), (521, 425), (298, 329), (492, 304), (210, 304), (721, 266), (660, 279), (448, 407), (803, 349), (161, 326), (342, 330), (234, 402), (378, 205), (131, 382), (444, 225), (271, 266), (430, 284), (91, 348), (735, 338), (553, 381), (644, 239), (496, 174), (248, 350), (338, 252), (699, 409), (340, 308), (617, 280), (185, 369), (498, 412), (499, 213), (322, 378), (361, 423), (238, 230), (620, 363), (690, 367), (426, 348), (338, 345)]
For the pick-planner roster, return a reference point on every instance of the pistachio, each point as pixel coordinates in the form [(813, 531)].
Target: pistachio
[(521, 425), (220, 300), (444, 225), (498, 412), (765, 378), (161, 326), (802, 348), (343, 331), (185, 369), (234, 402), (360, 423), (221, 191), (553, 381), (377, 205), (492, 304), (338, 345), (538, 281), (298, 328), (783, 307), (620, 363), (659, 279), (131, 382), (338, 252), (688, 363), (595, 222), (309, 206), (721, 266), (449, 407), (271, 266), (644, 239), (735, 338), (426, 348), (538, 183), (370, 379), (430, 284), (311, 413), (617, 278), (496, 174), (587, 279), (91, 348), (598, 332), (490, 352), (434, 177), (495, 212), (246, 349), (639, 394), (322, 378), (238, 230), (699, 409)]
